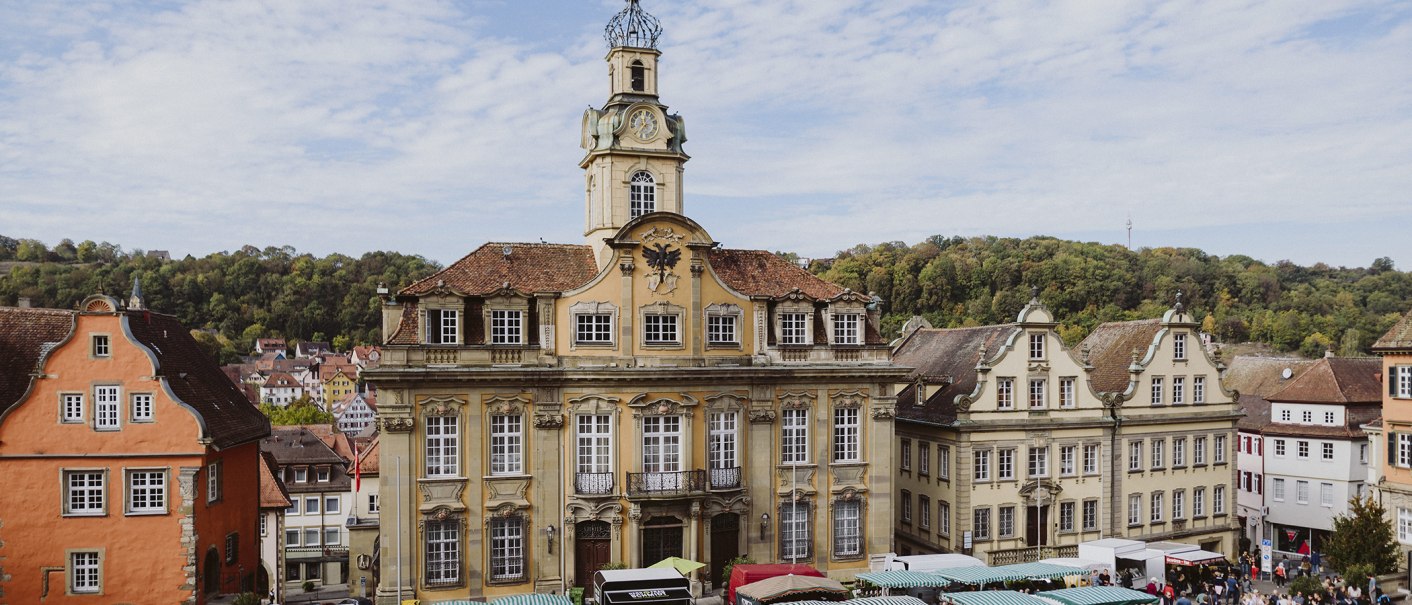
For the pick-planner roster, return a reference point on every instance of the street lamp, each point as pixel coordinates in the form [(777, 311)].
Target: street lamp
[(764, 525), (550, 531)]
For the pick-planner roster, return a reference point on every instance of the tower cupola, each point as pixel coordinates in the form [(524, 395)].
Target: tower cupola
[(633, 27)]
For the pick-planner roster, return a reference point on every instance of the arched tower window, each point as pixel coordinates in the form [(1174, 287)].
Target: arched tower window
[(639, 77), (642, 194)]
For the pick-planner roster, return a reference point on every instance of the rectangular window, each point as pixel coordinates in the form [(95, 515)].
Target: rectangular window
[(943, 518), (1135, 455), (1198, 451), (324, 475), (72, 407), (845, 329), (1156, 507), (105, 408), (661, 452), (1280, 447), (332, 536), (291, 537), (443, 552), (506, 445), (1156, 390), (1285, 416), (1404, 525), (1328, 451), (85, 494), (1220, 448), (660, 329), (1301, 492), (1277, 489), (213, 482), (794, 328), (147, 492), (1404, 449), (982, 465), (594, 448), (1301, 449), (1326, 494), (1158, 449), (1005, 464), (332, 504), (1066, 516), (102, 346), (1090, 459), (943, 462), (301, 475), (1178, 505), (1404, 380), (372, 503), (1090, 515), (1328, 417), (1219, 500), (1037, 393), (847, 529), (1307, 416), (794, 436), (1179, 346), (84, 573), (507, 549), (1179, 451), (845, 436), (724, 457), (1178, 390), (1198, 389), (443, 326), (1067, 460), (904, 454), (924, 459), (264, 524), (980, 523), (1363, 453), (794, 528), (1198, 502), (233, 547), (593, 328), (720, 330), (1135, 509), (924, 505), (1036, 346), (1005, 393), (906, 503), (443, 446), (1039, 462), (1066, 393), (311, 506), (1006, 520), (311, 536), (141, 407), (506, 327)]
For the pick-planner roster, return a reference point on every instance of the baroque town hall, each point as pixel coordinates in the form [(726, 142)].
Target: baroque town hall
[(551, 408)]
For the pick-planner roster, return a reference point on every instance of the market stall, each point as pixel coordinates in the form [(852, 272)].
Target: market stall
[(791, 588), (641, 587), (1099, 595), (1041, 575), (993, 597), (920, 584), (935, 561)]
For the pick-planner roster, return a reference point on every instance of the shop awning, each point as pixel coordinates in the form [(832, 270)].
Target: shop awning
[(1194, 557), (1099, 595), (993, 597), (904, 579), (533, 599), (1018, 571), (897, 600)]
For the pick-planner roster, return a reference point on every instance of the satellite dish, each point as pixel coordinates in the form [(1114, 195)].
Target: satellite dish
[(506, 250), (1286, 373)]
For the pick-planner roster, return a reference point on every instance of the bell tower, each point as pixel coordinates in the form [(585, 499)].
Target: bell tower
[(634, 160)]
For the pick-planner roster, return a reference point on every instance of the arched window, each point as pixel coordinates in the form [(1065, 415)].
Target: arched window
[(639, 76), (642, 194)]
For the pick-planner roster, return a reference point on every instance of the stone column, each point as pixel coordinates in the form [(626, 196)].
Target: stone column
[(693, 545), (395, 495), (187, 486), (760, 476), (547, 498), (879, 505)]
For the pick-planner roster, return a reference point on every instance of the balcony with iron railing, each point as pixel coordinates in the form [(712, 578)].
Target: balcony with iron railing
[(725, 479), (593, 484), (661, 485)]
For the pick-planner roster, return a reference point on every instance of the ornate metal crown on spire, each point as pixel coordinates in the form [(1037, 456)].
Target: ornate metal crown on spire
[(633, 27)]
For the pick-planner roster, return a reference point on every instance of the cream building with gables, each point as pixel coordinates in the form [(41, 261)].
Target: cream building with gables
[(547, 409), (1013, 447)]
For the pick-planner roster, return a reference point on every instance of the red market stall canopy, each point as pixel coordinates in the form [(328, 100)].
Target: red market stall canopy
[(1195, 557)]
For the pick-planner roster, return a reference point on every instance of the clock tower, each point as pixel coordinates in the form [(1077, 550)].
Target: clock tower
[(633, 161)]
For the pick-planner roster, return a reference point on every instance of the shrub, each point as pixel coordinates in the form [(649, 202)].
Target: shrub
[(246, 598), (741, 560), (308, 586)]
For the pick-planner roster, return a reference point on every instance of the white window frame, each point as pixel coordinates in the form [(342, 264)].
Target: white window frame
[(980, 523), (1066, 516), (1301, 449), (442, 446), (1301, 491), (794, 328), (943, 518), (924, 459), (1179, 346), (943, 462), (1327, 450), (442, 553), (1157, 390), (661, 329), (1326, 494), (906, 501), (147, 491), (1091, 456), (71, 408), (1404, 525), (1198, 450), (85, 492), (1178, 390), (107, 407), (1156, 510), (981, 465), (1005, 393), (1277, 489), (1038, 396), (1135, 455), (507, 327), (847, 431), (642, 194), (1066, 393), (507, 447), (85, 572), (214, 487), (1280, 448), (1219, 456), (1038, 463), (1404, 381), (1329, 418), (847, 528), (1198, 502), (847, 329), (1218, 500), (1286, 416), (904, 454), (1178, 452), (1005, 521), (1090, 515), (924, 506), (1198, 389), (722, 329), (1005, 464), (794, 436), (1134, 509), (143, 407), (795, 534), (1159, 449), (593, 328), (1036, 345), (1178, 505), (443, 326)]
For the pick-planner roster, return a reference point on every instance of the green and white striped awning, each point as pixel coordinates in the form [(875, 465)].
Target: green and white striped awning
[(527, 599), (993, 597), (1005, 573), (1099, 595), (898, 600), (904, 579)]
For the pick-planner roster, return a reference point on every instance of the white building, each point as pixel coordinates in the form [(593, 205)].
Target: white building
[(273, 502), (315, 534), (1315, 451), (355, 413), (280, 389)]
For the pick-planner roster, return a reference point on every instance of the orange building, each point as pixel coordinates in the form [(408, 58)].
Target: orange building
[(130, 464), (1395, 488)]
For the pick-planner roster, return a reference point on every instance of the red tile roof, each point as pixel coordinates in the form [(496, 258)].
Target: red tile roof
[(26, 336), (528, 268), (1256, 378), (1110, 349), (1336, 380), (370, 458), (944, 356), (272, 491), (762, 273)]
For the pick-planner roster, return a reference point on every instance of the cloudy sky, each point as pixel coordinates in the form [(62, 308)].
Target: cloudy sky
[(1280, 129)]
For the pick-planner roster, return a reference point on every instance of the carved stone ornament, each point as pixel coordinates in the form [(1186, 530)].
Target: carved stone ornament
[(963, 403), (664, 235), (662, 406), (847, 495), (849, 399), (442, 406), (724, 402), (762, 416), (397, 425), (884, 412), (506, 406), (797, 400), (548, 421)]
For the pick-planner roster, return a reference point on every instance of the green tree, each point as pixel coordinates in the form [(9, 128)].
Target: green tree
[(1362, 536), (300, 411)]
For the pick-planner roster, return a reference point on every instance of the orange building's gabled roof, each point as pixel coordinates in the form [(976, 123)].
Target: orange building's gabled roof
[(26, 336)]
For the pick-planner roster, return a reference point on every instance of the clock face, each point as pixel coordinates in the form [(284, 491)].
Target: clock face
[(643, 123)]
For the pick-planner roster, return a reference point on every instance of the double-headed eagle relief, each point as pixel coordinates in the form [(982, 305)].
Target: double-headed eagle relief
[(662, 258)]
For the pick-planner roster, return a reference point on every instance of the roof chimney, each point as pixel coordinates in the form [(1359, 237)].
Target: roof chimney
[(23, 302)]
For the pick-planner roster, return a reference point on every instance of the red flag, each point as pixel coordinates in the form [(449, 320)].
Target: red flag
[(357, 468)]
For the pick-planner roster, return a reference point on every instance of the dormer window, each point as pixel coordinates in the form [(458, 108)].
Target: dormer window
[(1036, 346), (794, 328), (845, 329), (639, 76), (323, 475), (506, 327), (442, 326), (642, 194), (301, 475)]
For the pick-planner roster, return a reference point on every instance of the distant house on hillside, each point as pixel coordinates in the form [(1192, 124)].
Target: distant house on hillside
[(269, 345), (365, 356), (311, 348), (355, 412), (280, 389)]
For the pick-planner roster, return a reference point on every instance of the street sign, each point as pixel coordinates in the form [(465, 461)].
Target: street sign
[(1265, 543), (1266, 558)]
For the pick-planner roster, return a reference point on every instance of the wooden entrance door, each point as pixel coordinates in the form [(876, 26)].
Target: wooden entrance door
[(725, 544), (593, 548), (1036, 521), (661, 538), (211, 572)]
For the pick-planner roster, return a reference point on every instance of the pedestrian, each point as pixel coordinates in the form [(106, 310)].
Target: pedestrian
[(1280, 575), (1318, 563), (1104, 579)]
